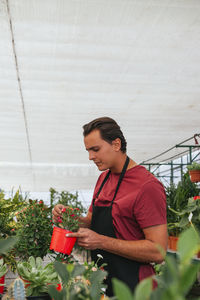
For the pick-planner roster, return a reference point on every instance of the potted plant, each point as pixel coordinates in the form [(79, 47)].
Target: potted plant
[(177, 200), (37, 277), (35, 230), (194, 171), (68, 222)]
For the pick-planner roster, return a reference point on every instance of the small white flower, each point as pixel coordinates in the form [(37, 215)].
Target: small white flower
[(94, 269), (100, 256), (190, 217)]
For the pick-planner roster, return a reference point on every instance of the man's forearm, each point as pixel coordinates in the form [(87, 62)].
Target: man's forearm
[(141, 250)]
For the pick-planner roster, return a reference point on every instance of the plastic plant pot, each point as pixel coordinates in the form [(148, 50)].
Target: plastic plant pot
[(61, 243), (2, 281)]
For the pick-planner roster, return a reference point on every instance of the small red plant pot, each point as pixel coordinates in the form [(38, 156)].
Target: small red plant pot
[(2, 281), (61, 243)]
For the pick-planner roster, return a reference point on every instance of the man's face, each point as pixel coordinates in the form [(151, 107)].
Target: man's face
[(101, 152)]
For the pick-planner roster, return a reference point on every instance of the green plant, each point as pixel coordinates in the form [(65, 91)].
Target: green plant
[(78, 282), (176, 279), (177, 200), (193, 166), (190, 213), (38, 277), (67, 199), (35, 230), (3, 268), (8, 208), (8, 225)]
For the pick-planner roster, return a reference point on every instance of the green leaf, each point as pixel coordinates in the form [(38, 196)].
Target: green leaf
[(38, 262), (56, 295), (78, 270), (31, 261), (121, 290), (188, 277), (184, 221), (7, 244), (62, 271), (188, 244), (143, 289), (70, 268)]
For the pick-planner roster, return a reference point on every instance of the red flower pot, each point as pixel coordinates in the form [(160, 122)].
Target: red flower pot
[(2, 281), (61, 243)]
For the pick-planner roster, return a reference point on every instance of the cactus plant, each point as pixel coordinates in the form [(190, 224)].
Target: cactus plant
[(18, 290)]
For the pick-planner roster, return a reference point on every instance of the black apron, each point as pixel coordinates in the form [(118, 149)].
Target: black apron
[(118, 267)]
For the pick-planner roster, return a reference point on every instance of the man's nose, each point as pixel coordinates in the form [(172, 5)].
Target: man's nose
[(91, 155)]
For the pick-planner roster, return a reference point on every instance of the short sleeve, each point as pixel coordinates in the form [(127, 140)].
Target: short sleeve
[(150, 206)]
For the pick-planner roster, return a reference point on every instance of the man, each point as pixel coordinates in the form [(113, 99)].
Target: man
[(126, 222)]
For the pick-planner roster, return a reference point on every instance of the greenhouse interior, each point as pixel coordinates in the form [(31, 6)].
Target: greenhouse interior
[(100, 149)]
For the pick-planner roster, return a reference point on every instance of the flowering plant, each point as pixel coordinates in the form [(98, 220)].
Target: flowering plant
[(35, 230), (69, 219)]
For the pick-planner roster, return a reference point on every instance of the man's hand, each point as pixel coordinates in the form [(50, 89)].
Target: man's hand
[(87, 238), (57, 211)]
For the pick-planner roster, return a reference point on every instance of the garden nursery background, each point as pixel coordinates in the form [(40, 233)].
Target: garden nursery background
[(64, 63)]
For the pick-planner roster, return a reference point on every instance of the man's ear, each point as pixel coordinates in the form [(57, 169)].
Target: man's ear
[(116, 144)]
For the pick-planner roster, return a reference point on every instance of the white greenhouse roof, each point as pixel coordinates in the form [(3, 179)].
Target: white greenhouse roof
[(66, 62)]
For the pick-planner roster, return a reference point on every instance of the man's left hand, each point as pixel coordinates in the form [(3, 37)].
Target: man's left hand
[(87, 238)]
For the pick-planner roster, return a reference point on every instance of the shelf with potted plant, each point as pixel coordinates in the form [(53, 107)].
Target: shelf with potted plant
[(194, 171), (177, 201), (188, 215)]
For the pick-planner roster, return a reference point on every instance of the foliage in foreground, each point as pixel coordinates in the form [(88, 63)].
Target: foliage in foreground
[(178, 275)]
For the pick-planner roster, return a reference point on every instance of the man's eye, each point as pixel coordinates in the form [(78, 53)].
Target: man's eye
[(96, 149)]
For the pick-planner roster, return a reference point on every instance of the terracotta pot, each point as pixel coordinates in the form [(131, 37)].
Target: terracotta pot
[(26, 282), (169, 242), (173, 242), (2, 281), (61, 243), (194, 175)]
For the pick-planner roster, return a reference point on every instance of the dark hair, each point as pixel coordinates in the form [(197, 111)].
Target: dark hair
[(109, 130)]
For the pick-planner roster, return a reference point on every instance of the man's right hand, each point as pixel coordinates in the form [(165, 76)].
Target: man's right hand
[(57, 211)]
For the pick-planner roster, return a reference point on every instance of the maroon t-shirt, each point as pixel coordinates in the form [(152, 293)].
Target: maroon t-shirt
[(140, 203)]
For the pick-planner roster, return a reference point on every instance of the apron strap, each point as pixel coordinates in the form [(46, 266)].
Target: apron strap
[(119, 182), (104, 181), (121, 177)]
